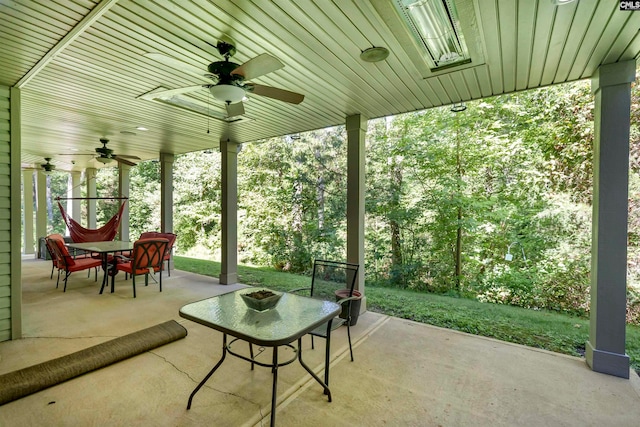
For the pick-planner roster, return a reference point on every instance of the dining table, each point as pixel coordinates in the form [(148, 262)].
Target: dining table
[(293, 317), (104, 249)]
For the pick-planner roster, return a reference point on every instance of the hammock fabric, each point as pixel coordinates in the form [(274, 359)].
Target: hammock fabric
[(79, 234)]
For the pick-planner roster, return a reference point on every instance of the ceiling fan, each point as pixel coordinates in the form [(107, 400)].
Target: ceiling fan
[(48, 167), (230, 83), (106, 155)]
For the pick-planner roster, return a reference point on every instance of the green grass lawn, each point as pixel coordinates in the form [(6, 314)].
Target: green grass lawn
[(542, 329)]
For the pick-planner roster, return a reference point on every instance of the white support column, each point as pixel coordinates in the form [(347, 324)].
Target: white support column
[(605, 350), (41, 205), (166, 192), (356, 132), (74, 191), (124, 185), (27, 194), (91, 174), (229, 221), (166, 196)]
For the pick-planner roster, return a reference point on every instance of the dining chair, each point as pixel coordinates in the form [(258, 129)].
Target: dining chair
[(54, 259), (333, 281), (171, 237), (65, 262), (147, 256)]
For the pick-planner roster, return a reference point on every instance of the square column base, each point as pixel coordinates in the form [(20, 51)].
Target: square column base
[(228, 278), (606, 362)]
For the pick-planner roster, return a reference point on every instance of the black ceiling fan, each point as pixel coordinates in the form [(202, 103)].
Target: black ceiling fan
[(48, 167), (230, 83), (106, 155)]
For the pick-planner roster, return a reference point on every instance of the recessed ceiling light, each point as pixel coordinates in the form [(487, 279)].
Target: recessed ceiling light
[(374, 54), (142, 128), (561, 2)]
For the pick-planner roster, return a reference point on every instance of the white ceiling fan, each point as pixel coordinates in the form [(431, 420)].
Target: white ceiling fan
[(229, 79)]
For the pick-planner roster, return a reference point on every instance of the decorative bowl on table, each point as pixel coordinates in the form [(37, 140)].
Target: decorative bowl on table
[(261, 299)]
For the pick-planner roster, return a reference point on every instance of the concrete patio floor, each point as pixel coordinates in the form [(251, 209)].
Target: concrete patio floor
[(405, 373)]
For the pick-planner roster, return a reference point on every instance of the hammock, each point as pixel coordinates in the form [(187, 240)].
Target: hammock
[(79, 234)]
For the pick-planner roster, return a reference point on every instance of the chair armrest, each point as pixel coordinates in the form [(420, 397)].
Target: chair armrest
[(299, 289)]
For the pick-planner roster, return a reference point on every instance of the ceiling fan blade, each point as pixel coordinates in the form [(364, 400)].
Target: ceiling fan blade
[(175, 64), (236, 109), (149, 96), (275, 93), (258, 66), (125, 156), (124, 161)]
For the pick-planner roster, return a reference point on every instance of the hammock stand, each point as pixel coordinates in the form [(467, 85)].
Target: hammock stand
[(80, 234)]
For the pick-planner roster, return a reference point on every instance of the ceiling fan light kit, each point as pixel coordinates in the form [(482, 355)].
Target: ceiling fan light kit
[(104, 160), (227, 93)]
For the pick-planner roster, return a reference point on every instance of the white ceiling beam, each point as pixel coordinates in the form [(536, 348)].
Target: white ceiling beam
[(86, 22)]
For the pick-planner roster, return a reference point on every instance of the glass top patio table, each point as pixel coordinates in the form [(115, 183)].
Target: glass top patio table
[(292, 318), (104, 249)]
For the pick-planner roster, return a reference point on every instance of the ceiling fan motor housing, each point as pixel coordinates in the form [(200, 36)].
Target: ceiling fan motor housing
[(223, 69)]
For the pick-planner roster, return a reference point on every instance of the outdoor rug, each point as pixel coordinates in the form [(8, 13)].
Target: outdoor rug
[(23, 382)]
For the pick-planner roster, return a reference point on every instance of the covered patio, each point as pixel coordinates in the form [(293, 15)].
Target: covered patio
[(75, 72), (404, 373)]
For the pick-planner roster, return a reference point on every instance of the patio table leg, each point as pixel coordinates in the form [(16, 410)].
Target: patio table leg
[(275, 386), (224, 354), (326, 368), (105, 268)]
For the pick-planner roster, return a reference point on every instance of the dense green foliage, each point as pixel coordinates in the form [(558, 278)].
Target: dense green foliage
[(542, 329), (448, 195)]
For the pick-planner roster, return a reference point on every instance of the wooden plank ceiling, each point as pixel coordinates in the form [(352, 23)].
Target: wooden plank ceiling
[(82, 64)]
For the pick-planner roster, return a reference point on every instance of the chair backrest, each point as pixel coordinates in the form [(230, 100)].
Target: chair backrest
[(148, 253), (49, 242), (331, 276), (56, 244), (171, 237)]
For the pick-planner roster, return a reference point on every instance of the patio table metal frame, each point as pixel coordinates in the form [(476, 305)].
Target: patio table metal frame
[(104, 249), (290, 320)]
